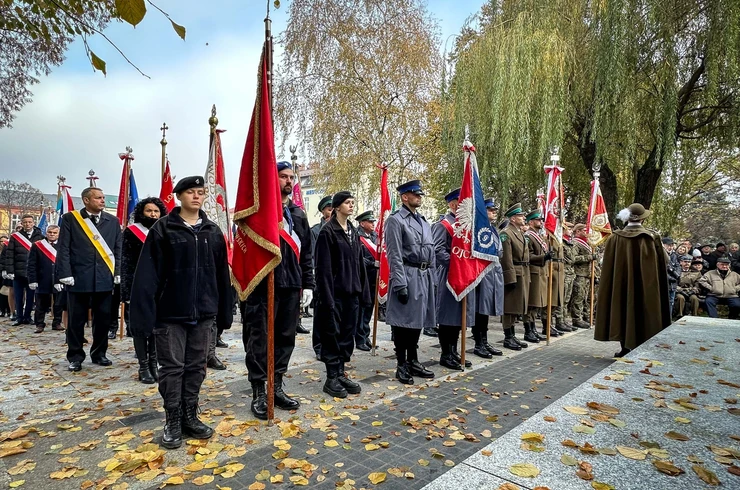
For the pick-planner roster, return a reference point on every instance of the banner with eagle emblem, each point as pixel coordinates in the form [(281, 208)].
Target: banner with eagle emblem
[(597, 224), (385, 211), (473, 252)]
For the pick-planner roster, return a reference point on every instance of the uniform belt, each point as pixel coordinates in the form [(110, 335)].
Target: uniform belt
[(519, 262), (558, 260), (418, 265)]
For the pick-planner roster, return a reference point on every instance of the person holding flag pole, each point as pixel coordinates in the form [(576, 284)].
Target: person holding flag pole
[(598, 228), (554, 228)]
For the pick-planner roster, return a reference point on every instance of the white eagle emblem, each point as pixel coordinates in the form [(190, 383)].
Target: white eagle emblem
[(463, 226)]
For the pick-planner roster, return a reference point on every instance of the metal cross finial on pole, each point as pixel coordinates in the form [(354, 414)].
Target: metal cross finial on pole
[(164, 129), (92, 178), (61, 179), (555, 155)]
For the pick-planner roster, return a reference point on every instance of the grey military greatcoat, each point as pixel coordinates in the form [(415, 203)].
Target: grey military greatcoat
[(490, 292), (449, 310), (410, 249)]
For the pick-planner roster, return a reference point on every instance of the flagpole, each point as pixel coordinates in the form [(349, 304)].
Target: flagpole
[(127, 161), (554, 159), (271, 275), (164, 129), (597, 171)]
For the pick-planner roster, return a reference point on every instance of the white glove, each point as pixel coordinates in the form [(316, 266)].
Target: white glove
[(33, 286), (307, 298), (67, 281), (59, 287), (5, 275), (116, 279), (10, 276)]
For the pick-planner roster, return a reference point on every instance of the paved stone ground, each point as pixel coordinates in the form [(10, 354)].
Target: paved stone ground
[(67, 424)]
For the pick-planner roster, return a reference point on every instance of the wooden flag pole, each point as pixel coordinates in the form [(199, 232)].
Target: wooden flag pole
[(549, 302), (271, 276), (593, 278), (376, 307), (464, 329), (120, 321)]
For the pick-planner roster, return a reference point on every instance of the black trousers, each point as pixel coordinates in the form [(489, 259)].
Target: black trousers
[(338, 336), (77, 305), (23, 299), (254, 330), (43, 305), (405, 341), (115, 312), (182, 351), (362, 333), (481, 323)]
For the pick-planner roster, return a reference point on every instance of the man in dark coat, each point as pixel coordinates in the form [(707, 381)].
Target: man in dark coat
[(293, 274), (410, 250), (539, 254), (181, 286), (341, 286), (515, 265), (41, 279), (720, 250), (88, 264), (325, 209), (632, 302), (16, 259), (369, 242), (674, 270), (146, 213), (489, 295)]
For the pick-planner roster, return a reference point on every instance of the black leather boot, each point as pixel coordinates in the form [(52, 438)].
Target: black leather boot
[(430, 332), (259, 400), (349, 385), (192, 425), (560, 326), (489, 347), (458, 357), (215, 363), (509, 342), (332, 386), (480, 349), (153, 365), (446, 359), (553, 331), (145, 376), (172, 436), (523, 345), (416, 368), (403, 375), (529, 334), (282, 400)]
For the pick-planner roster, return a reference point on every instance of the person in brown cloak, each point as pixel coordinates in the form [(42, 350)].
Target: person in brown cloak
[(632, 302)]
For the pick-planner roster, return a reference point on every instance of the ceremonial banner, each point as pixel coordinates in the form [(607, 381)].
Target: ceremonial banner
[(128, 195), (216, 204), (385, 211), (597, 224), (554, 202), (258, 212), (298, 192), (473, 253), (64, 202), (43, 222), (165, 192)]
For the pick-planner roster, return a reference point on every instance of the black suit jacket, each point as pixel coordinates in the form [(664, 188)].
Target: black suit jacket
[(16, 258), (78, 258), (40, 269)]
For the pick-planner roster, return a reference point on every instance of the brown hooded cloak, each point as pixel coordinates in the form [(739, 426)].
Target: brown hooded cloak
[(633, 291)]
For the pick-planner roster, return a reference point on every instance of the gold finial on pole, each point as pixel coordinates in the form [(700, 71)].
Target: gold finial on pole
[(164, 129), (213, 120)]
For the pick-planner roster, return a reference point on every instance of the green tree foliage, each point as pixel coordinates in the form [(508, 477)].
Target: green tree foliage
[(648, 88), (34, 35), (356, 87)]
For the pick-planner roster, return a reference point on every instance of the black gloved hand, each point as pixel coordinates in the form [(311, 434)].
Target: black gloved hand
[(403, 295), (548, 256), (594, 257), (510, 286)]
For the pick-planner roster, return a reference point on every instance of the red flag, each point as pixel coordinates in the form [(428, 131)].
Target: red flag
[(298, 194), (258, 210), (385, 211), (216, 203), (123, 192), (165, 193), (473, 250), (597, 224), (553, 202)]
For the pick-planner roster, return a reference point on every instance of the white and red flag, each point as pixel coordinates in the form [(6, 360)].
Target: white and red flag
[(385, 211), (64, 202), (473, 252), (554, 202), (597, 224), (165, 192), (298, 192), (216, 203)]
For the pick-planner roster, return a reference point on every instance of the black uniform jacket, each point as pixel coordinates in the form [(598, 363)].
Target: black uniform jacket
[(182, 276), (16, 257), (130, 251), (290, 273), (77, 257), (41, 269)]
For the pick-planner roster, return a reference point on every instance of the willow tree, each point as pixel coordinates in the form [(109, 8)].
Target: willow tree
[(356, 85), (622, 83)]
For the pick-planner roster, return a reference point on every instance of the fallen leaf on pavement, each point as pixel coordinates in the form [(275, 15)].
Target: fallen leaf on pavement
[(668, 468), (676, 436), (631, 453), (707, 476), (376, 478), (525, 470)]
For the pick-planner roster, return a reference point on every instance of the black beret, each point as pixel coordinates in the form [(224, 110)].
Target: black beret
[(340, 197), (189, 183)]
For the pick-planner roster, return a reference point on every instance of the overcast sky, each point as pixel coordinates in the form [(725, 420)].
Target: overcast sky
[(80, 120)]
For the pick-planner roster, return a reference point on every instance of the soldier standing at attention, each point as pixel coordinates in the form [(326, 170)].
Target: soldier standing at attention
[(570, 275), (449, 310), (582, 258), (369, 242), (41, 280), (539, 254), (181, 286), (88, 264), (489, 296), (557, 257), (410, 249), (515, 264)]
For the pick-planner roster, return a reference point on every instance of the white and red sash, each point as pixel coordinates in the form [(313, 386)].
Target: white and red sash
[(48, 250), (371, 247), (291, 239), (583, 243), (447, 226), (537, 237), (139, 230), (21, 238)]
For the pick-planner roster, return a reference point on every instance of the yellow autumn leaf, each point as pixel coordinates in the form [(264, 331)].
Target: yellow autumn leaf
[(174, 480), (326, 407), (597, 485), (532, 437), (377, 423), (707, 476), (370, 447), (423, 462), (631, 453), (276, 479), (203, 480), (299, 480), (332, 443), (376, 478), (16, 484), (525, 470), (256, 486), (576, 410)]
